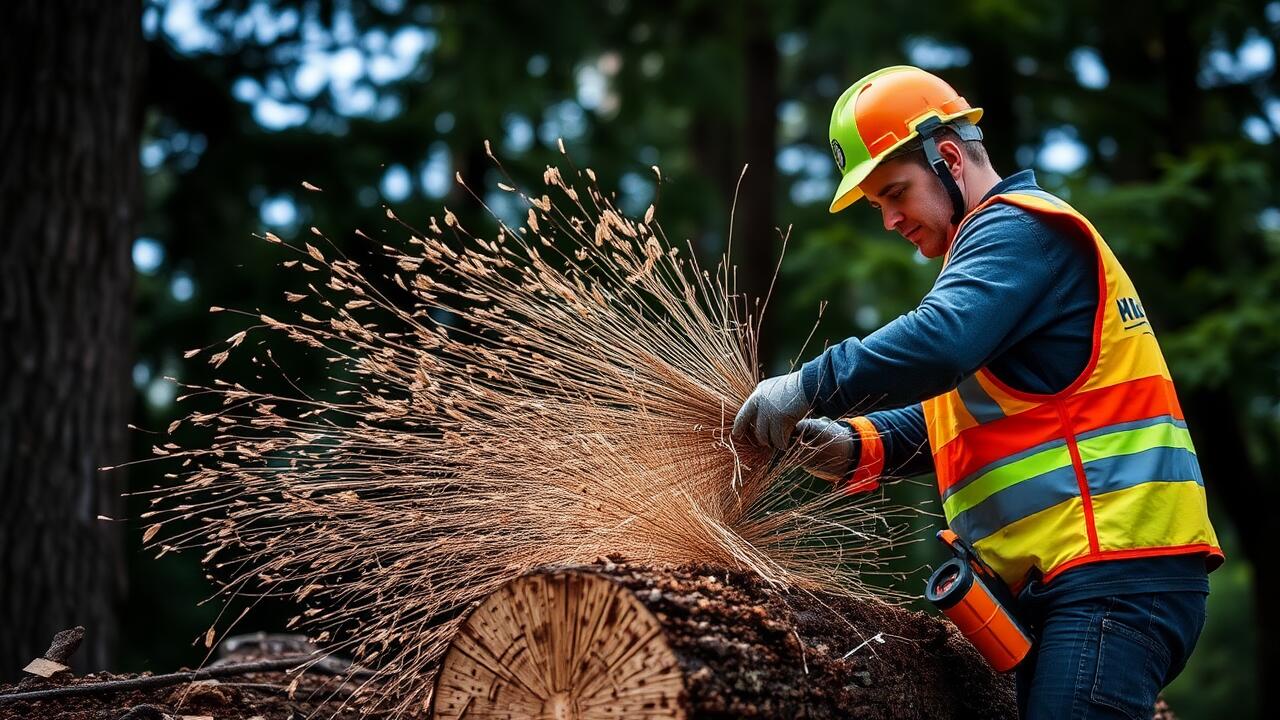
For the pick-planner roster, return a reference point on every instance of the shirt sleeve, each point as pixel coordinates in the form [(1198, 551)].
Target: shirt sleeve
[(905, 440), (995, 274), (890, 444)]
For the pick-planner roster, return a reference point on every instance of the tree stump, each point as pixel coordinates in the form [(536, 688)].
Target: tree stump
[(622, 642)]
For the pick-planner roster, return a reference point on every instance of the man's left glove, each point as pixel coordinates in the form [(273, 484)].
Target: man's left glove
[(770, 414), (829, 449)]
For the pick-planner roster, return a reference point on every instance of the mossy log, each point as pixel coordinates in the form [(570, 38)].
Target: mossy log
[(623, 642)]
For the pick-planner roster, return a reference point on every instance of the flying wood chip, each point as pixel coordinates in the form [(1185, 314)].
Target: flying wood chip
[(44, 668)]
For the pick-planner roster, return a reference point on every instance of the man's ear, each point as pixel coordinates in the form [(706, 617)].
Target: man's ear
[(950, 151)]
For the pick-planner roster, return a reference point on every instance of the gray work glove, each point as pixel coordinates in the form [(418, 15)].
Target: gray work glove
[(828, 449), (771, 412)]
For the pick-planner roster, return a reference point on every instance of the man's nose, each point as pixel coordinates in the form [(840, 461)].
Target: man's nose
[(892, 219)]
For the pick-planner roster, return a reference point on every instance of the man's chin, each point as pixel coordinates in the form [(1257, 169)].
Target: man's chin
[(927, 248), (932, 248)]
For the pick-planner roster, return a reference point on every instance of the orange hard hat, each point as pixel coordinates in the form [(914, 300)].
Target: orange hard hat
[(882, 112)]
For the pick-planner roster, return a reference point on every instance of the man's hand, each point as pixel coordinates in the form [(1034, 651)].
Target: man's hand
[(771, 412), (828, 448)]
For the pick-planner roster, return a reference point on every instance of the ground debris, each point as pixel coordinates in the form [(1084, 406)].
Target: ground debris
[(262, 694)]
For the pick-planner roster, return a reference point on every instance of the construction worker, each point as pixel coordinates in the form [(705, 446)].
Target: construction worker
[(1030, 381)]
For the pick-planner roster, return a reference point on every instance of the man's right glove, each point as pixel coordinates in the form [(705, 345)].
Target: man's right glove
[(832, 450), (769, 415)]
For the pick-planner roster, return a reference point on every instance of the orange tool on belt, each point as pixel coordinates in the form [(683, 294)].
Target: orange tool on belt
[(970, 593)]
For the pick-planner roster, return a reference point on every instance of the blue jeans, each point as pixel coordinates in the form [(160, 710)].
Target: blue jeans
[(1103, 657)]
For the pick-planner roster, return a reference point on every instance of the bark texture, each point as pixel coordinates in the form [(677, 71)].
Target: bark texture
[(616, 641), (69, 133), (756, 218)]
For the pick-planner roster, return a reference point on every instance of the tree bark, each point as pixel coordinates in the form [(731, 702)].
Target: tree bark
[(756, 219), (69, 134), (636, 642), (994, 90)]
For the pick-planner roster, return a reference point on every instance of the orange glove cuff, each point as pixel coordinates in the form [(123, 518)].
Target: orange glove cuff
[(866, 476)]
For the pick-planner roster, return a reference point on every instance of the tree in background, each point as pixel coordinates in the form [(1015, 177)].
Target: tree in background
[(69, 131)]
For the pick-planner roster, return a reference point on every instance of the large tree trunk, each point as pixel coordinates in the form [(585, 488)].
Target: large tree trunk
[(611, 641), (756, 221), (993, 88), (69, 129)]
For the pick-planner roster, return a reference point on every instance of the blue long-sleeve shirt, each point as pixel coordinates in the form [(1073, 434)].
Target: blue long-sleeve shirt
[(1017, 296)]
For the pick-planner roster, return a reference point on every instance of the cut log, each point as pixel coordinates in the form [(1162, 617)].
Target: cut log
[(623, 642)]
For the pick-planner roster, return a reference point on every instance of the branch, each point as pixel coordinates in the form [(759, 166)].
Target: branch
[(114, 686)]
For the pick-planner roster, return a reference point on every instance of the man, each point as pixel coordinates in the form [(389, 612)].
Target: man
[(1031, 382)]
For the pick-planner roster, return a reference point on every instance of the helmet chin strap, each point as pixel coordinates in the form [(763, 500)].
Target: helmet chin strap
[(928, 128)]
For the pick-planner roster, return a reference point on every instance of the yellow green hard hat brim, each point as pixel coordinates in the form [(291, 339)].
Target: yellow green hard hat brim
[(848, 192)]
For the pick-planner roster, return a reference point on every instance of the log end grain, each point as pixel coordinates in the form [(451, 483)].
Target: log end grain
[(568, 646)]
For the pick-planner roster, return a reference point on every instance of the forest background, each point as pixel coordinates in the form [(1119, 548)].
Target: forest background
[(146, 143)]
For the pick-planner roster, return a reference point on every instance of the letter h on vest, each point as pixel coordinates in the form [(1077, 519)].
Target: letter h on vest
[(1129, 309)]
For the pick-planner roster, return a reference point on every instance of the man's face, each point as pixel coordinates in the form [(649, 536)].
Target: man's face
[(912, 203)]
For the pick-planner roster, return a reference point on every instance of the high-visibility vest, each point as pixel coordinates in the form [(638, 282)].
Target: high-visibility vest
[(1102, 470)]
